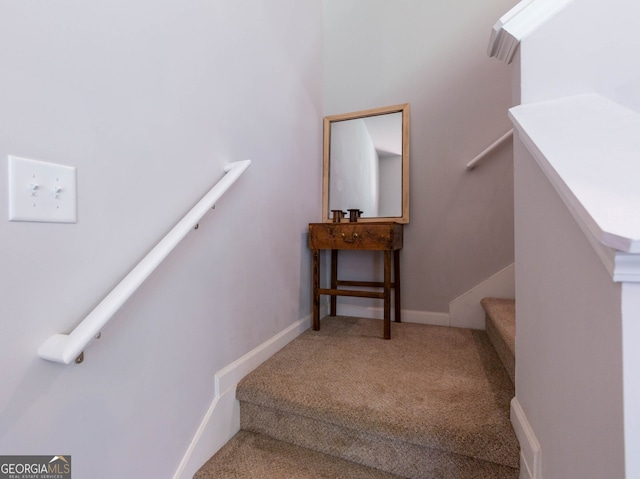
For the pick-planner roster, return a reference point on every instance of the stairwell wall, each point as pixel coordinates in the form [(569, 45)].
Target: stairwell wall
[(568, 339), (433, 56), (149, 100)]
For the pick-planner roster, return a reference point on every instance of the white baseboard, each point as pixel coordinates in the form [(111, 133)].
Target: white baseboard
[(426, 317), (530, 453), (466, 312), (222, 420), (408, 316)]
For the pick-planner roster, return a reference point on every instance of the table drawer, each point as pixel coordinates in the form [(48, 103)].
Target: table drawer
[(357, 236)]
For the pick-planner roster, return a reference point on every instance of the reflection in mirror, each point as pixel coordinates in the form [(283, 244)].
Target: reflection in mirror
[(367, 164)]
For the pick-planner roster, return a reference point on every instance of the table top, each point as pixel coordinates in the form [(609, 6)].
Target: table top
[(356, 235)]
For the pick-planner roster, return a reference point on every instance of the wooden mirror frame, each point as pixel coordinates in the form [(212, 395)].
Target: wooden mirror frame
[(328, 120)]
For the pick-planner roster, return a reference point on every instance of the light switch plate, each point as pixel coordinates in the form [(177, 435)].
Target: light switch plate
[(41, 191)]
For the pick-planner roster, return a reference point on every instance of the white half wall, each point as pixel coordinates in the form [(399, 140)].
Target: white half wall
[(569, 376), (576, 344)]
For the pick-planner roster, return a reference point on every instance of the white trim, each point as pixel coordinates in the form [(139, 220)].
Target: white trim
[(530, 453), (408, 316), (220, 423), (231, 375), (426, 317), (466, 311), (519, 22), (623, 267), (502, 45), (222, 420), (626, 268)]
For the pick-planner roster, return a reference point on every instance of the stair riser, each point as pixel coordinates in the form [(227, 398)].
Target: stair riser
[(500, 324), (393, 456), (499, 344)]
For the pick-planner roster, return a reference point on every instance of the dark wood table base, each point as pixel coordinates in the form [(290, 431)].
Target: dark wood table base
[(386, 237)]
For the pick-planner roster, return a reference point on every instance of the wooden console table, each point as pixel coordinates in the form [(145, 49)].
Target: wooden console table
[(360, 236)]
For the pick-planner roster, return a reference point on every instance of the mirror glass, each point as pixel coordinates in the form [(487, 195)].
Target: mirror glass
[(366, 164)]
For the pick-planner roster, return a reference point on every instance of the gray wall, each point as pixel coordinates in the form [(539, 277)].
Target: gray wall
[(433, 56), (149, 100)]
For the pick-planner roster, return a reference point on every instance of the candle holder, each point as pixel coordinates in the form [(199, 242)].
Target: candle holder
[(354, 214), (338, 215)]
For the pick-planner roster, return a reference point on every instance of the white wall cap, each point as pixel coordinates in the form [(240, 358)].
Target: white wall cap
[(588, 147), (523, 19)]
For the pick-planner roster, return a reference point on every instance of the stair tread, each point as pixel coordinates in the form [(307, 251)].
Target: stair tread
[(249, 455), (437, 387), (502, 312)]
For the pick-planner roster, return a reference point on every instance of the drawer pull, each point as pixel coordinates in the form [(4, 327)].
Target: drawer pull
[(354, 236)]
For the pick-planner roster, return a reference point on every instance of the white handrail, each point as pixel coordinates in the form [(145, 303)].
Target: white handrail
[(472, 164), (64, 348)]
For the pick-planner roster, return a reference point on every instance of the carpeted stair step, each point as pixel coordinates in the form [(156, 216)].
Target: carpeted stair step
[(432, 402), (254, 456), (500, 321)]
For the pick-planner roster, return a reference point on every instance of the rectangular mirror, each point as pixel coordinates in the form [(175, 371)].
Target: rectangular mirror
[(366, 164)]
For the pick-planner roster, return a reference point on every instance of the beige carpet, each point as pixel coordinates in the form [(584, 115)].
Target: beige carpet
[(503, 313), (432, 402), (253, 456), (501, 329)]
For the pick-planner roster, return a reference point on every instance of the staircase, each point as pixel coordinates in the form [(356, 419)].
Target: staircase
[(432, 402)]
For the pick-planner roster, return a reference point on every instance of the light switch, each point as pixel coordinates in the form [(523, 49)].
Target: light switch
[(41, 191)]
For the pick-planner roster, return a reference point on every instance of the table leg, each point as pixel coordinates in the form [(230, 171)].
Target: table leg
[(315, 282), (387, 294), (396, 288), (334, 279)]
